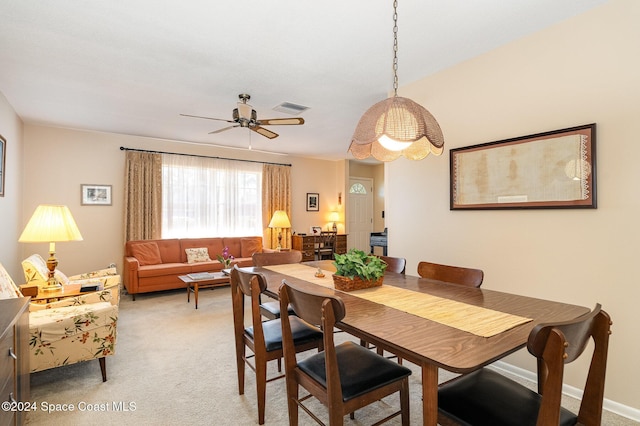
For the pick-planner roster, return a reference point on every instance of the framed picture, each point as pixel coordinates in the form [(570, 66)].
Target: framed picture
[(313, 202), (555, 169), (96, 195), (3, 154), (316, 230)]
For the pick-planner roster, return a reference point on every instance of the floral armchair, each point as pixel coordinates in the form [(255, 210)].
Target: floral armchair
[(73, 329)]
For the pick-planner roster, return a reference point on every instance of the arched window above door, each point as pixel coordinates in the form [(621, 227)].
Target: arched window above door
[(357, 188)]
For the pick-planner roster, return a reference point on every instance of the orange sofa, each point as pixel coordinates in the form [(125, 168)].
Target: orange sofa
[(155, 265)]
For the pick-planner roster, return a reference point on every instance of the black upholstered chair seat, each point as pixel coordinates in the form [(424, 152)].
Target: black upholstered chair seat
[(485, 397), (272, 309), (360, 369), (302, 333)]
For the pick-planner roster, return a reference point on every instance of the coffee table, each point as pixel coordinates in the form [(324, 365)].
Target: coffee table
[(208, 280)]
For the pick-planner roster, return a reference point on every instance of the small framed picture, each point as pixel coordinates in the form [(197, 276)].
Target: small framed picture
[(95, 195), (316, 230), (313, 202)]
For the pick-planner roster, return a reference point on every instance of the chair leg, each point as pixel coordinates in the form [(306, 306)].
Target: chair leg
[(261, 387), (404, 402), (103, 368), (292, 397), (240, 354)]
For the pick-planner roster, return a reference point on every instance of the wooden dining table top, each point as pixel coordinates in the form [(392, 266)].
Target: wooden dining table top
[(428, 343), (417, 339)]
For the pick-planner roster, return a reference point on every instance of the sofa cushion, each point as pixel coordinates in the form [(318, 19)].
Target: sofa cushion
[(147, 253), (214, 245), (197, 255), (250, 245)]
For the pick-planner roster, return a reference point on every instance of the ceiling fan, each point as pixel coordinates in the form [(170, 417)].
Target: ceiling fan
[(245, 116)]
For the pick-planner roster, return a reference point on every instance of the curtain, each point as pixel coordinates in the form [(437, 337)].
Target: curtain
[(276, 195), (143, 196), (210, 197)]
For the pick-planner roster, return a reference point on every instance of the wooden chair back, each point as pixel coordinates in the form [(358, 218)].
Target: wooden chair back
[(555, 345), (451, 274), (325, 244), (277, 258), (395, 264)]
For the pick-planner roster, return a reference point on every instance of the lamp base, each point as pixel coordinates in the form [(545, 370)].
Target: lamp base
[(52, 283)]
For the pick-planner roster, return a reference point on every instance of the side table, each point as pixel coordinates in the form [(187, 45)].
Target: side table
[(205, 280)]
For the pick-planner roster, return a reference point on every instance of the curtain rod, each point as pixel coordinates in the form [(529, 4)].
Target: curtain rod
[(122, 148)]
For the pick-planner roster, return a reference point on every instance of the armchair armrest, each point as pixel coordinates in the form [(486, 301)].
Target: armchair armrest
[(108, 277), (111, 295)]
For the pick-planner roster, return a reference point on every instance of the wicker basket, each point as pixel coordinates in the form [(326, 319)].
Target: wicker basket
[(347, 284)]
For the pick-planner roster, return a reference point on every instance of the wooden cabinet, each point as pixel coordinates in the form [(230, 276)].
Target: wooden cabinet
[(305, 243), (14, 358)]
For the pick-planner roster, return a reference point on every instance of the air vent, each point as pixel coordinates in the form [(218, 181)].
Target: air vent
[(289, 108)]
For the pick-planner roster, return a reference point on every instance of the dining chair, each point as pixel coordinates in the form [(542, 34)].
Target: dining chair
[(345, 377), (271, 310), (264, 339), (487, 397), (451, 274), (325, 245), (395, 264)]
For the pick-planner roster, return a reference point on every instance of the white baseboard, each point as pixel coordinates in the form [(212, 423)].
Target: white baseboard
[(609, 405)]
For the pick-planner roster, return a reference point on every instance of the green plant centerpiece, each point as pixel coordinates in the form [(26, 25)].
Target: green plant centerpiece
[(357, 270)]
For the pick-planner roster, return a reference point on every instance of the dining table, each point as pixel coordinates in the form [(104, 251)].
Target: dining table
[(430, 323)]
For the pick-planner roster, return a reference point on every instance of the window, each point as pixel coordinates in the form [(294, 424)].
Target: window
[(209, 197), (357, 188)]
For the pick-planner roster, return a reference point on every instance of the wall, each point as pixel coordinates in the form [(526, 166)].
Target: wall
[(10, 205), (68, 158), (581, 71)]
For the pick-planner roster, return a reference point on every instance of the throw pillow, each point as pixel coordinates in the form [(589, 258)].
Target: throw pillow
[(250, 245), (195, 255), (146, 253)]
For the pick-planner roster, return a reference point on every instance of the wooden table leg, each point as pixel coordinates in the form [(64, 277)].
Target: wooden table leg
[(195, 291), (429, 394), (188, 292)]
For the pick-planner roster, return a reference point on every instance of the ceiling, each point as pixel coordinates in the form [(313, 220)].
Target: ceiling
[(132, 67)]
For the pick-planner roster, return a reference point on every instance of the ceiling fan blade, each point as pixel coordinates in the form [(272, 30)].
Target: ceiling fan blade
[(207, 118), (278, 121), (223, 129), (264, 132)]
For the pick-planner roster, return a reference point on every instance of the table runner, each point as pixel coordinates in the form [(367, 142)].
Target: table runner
[(463, 316)]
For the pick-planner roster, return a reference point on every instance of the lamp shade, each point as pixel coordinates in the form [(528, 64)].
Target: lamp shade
[(280, 220), (334, 216), (50, 223), (397, 126)]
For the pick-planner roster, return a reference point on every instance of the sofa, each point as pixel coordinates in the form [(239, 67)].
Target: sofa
[(155, 265), (72, 329)]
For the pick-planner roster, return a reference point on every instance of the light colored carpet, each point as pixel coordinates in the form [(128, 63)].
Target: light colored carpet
[(176, 365)]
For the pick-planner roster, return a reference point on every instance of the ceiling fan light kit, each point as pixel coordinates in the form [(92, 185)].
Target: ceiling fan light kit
[(245, 116), (396, 126)]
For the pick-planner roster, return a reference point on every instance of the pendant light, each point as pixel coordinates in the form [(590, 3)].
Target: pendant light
[(396, 126)]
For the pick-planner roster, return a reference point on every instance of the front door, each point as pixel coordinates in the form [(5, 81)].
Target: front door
[(360, 213)]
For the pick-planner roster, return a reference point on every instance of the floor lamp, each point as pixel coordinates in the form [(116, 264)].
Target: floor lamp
[(50, 224), (279, 221)]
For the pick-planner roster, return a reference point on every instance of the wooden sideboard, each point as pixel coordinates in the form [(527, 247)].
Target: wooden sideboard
[(14, 359), (304, 243)]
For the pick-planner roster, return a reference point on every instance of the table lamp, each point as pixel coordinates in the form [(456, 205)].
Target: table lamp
[(335, 218), (51, 223), (279, 221)]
